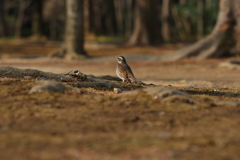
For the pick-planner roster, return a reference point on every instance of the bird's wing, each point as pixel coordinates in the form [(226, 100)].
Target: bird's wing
[(123, 72), (130, 73)]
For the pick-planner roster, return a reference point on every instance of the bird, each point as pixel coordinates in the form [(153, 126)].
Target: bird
[(124, 72)]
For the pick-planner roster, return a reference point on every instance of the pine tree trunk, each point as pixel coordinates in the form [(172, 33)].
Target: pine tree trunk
[(200, 21), (128, 17), (19, 23), (53, 28), (236, 5), (119, 15), (37, 24), (89, 18), (97, 16), (74, 36), (145, 24), (221, 41), (5, 31), (166, 33), (111, 20), (73, 46)]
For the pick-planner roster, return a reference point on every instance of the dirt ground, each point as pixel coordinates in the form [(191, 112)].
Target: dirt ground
[(102, 125)]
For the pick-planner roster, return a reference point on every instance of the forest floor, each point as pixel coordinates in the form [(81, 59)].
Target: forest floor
[(101, 125)]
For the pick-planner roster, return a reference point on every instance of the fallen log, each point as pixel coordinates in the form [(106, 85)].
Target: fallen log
[(11, 72)]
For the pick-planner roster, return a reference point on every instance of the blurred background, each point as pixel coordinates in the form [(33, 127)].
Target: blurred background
[(41, 23)]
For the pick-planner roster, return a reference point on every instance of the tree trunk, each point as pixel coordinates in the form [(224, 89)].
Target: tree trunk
[(21, 12), (180, 30), (74, 36), (236, 7), (89, 20), (91, 23), (221, 41), (111, 21), (124, 17), (145, 23), (18, 28), (37, 29), (166, 25), (200, 21), (128, 16), (3, 21), (96, 16), (53, 28)]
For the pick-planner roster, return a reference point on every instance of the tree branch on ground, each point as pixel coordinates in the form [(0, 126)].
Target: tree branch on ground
[(80, 79)]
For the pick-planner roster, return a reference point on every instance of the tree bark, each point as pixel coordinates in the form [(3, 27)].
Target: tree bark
[(110, 18), (236, 7), (179, 29), (124, 16), (37, 24), (89, 20), (12, 72), (21, 12), (3, 21), (128, 16), (166, 15), (145, 24), (72, 76), (91, 23), (221, 41), (74, 38), (73, 46), (200, 21)]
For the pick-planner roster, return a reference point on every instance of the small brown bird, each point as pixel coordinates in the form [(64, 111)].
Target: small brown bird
[(123, 71)]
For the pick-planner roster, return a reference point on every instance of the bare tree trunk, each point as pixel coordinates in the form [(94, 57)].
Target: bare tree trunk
[(128, 16), (200, 21), (145, 24), (220, 42), (53, 28), (3, 21), (236, 6), (37, 25), (124, 15), (89, 20), (19, 23), (180, 30), (97, 16), (111, 20), (119, 15), (166, 15), (104, 17), (91, 16), (73, 47)]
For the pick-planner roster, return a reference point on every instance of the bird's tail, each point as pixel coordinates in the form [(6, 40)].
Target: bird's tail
[(135, 80), (140, 83)]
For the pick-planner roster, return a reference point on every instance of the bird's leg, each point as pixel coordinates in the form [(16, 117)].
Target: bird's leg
[(129, 83), (126, 82), (123, 82)]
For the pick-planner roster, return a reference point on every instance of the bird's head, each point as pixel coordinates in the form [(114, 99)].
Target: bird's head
[(121, 60)]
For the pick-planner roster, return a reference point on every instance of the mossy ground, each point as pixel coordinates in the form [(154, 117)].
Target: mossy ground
[(74, 125)]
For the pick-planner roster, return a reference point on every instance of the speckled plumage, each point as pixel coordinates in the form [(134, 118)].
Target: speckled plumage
[(123, 71)]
